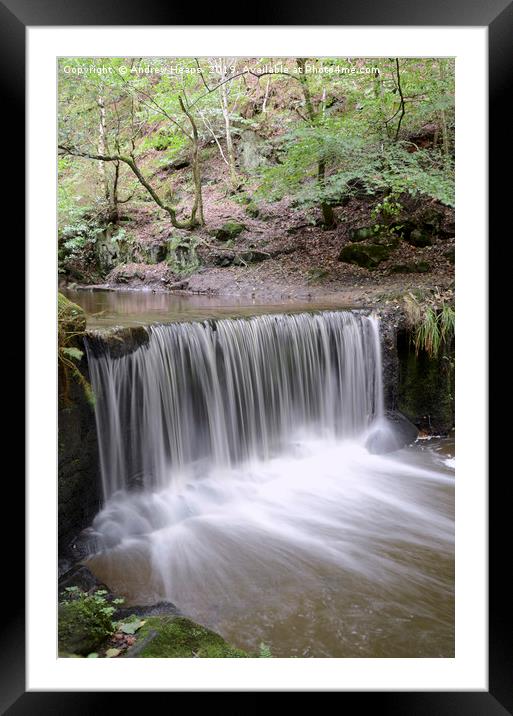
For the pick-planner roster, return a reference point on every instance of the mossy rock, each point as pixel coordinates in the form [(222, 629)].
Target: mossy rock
[(83, 626), (362, 234), (228, 231), (72, 318), (365, 255), (387, 239), (178, 637), (418, 238)]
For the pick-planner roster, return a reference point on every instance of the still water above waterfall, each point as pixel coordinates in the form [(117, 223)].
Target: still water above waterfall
[(238, 484)]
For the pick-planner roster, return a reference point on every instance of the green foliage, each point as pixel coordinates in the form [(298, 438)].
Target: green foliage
[(355, 164), (433, 326), (85, 621), (78, 239), (358, 132), (265, 651)]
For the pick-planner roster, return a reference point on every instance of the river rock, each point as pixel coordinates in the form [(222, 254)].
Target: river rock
[(79, 576), (391, 433)]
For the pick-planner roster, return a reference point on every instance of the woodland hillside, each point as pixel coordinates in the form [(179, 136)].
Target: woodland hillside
[(257, 176)]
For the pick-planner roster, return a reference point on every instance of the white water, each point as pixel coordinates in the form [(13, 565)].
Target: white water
[(261, 512)]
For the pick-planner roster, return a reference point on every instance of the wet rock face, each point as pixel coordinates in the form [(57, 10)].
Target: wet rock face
[(391, 320), (425, 387), (79, 489), (77, 575), (117, 341)]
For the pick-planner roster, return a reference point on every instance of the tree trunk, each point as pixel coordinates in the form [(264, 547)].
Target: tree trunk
[(114, 212), (443, 120), (234, 180), (328, 215), (102, 149), (197, 209)]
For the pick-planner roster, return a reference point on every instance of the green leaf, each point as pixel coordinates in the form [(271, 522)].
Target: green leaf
[(74, 353), (112, 652), (131, 627), (92, 655)]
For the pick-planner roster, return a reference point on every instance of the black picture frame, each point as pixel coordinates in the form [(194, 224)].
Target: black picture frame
[(497, 15)]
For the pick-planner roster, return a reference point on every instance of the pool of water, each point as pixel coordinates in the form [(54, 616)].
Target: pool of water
[(322, 551), (107, 308)]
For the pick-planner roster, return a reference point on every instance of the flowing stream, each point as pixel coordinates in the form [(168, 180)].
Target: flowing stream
[(241, 483)]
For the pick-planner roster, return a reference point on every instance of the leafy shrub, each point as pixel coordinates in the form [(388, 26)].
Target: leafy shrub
[(353, 163), (85, 620)]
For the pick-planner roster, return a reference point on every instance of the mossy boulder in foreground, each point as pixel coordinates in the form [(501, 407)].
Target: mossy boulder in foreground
[(178, 637)]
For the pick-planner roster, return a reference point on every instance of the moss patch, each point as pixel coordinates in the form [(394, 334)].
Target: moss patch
[(228, 231), (72, 318), (178, 637)]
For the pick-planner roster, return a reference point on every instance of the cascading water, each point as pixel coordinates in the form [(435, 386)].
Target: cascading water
[(240, 483), (231, 390)]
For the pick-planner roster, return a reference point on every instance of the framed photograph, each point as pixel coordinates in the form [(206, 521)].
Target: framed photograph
[(246, 250)]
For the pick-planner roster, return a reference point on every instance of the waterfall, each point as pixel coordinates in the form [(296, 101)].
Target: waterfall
[(246, 482), (219, 392)]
